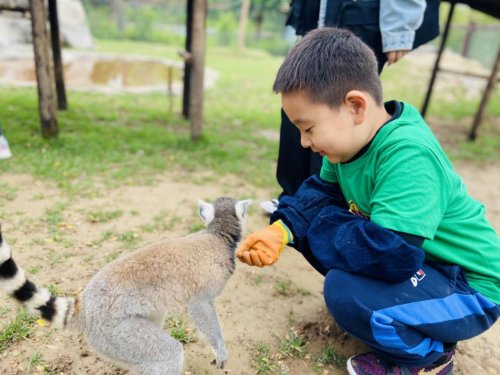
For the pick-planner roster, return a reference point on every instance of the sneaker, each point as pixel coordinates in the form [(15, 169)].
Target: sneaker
[(371, 364), (269, 206), (4, 148)]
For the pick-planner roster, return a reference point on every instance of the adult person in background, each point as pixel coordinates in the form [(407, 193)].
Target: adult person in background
[(391, 28)]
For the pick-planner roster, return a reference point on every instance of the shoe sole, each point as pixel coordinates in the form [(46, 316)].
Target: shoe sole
[(350, 369)]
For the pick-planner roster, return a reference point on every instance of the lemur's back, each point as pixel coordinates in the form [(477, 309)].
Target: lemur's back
[(162, 276)]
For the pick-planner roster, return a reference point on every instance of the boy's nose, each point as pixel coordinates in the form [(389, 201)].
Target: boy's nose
[(304, 141)]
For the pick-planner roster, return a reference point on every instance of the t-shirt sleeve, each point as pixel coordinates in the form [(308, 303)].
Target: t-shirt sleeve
[(411, 191), (328, 172)]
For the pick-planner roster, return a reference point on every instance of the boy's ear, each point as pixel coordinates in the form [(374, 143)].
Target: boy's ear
[(357, 103)]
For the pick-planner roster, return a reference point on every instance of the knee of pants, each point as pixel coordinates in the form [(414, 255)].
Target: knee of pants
[(339, 297)]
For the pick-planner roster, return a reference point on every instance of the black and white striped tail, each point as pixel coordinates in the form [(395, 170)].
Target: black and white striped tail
[(35, 300)]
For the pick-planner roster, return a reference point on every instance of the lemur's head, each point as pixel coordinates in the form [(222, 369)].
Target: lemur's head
[(223, 207)]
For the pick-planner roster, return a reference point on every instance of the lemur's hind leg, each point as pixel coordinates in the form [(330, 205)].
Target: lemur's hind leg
[(141, 346)]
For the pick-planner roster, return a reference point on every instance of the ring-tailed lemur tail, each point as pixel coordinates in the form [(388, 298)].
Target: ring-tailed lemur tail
[(56, 310), (122, 309)]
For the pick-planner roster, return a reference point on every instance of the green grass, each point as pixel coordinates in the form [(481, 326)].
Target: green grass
[(7, 192), (20, 328), (263, 361), (99, 216), (36, 363), (293, 346), (128, 139), (329, 357), (178, 329)]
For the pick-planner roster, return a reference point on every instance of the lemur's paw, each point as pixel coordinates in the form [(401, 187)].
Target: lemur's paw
[(219, 363)]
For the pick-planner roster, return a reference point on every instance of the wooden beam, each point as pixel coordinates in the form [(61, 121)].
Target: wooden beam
[(46, 100), (197, 68), (435, 69), (485, 99), (187, 59), (56, 55)]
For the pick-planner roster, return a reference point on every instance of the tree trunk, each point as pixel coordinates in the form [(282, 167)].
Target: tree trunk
[(56, 55), (259, 20), (245, 9), (197, 68), (116, 8), (46, 99), (186, 88)]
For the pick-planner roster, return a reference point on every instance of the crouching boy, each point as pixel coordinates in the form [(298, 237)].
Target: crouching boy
[(411, 265)]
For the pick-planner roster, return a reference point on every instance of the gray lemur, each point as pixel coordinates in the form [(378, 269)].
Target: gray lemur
[(122, 309)]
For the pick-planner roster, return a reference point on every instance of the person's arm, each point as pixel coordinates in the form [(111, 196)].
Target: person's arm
[(316, 220), (339, 239), (298, 211), (398, 21), (290, 222)]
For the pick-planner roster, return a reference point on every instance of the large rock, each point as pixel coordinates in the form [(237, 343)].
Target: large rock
[(73, 25)]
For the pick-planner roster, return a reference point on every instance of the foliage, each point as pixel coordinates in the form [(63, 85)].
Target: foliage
[(21, 327), (128, 139), (329, 357), (144, 23), (485, 40), (293, 346), (226, 27), (178, 329)]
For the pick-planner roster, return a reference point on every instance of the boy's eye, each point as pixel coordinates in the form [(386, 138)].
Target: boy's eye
[(308, 130)]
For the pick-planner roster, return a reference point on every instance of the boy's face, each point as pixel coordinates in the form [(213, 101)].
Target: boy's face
[(330, 132)]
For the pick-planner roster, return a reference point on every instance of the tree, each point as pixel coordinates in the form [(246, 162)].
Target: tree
[(261, 7), (245, 10)]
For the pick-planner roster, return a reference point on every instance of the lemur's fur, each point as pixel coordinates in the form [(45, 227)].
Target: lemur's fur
[(122, 309)]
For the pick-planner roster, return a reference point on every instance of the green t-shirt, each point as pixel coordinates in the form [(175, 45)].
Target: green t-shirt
[(405, 182)]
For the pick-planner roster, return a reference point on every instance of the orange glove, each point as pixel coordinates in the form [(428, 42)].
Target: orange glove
[(263, 247)]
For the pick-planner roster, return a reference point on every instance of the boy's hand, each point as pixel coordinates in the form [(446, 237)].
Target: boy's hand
[(263, 247)]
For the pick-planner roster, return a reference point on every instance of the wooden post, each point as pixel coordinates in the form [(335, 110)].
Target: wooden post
[(485, 99), (56, 55), (469, 34), (170, 92), (46, 100), (187, 62), (197, 68), (444, 38)]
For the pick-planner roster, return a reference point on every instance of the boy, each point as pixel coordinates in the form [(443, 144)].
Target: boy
[(391, 28), (411, 265)]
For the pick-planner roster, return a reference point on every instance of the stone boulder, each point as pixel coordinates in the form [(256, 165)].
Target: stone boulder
[(15, 28)]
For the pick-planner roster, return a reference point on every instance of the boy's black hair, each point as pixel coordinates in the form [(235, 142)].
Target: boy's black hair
[(328, 63)]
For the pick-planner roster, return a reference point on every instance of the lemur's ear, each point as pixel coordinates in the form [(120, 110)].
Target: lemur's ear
[(206, 211), (241, 208)]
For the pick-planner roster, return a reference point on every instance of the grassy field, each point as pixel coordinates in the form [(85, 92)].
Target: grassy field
[(129, 138)]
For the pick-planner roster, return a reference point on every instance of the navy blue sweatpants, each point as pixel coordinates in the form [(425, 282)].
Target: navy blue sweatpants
[(409, 323)]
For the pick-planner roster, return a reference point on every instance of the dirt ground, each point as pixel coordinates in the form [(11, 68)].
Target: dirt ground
[(62, 242)]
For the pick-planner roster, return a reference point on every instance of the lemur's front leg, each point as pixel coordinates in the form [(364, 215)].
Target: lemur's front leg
[(204, 315)]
